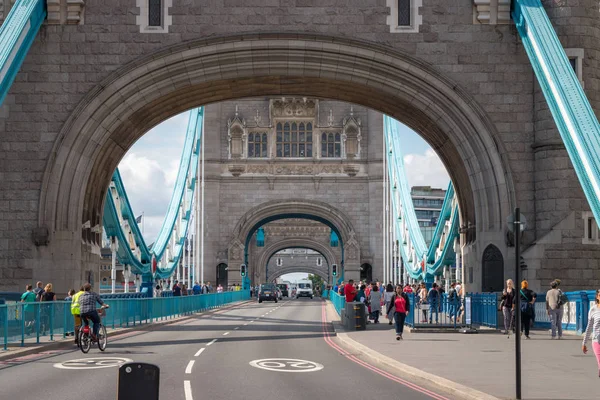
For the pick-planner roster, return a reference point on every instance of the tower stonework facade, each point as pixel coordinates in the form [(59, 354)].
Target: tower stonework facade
[(101, 73), (260, 151)]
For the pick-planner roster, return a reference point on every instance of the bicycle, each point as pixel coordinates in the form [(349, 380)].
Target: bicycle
[(85, 339)]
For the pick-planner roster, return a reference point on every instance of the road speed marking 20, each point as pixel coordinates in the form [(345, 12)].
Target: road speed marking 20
[(286, 365), (93, 363)]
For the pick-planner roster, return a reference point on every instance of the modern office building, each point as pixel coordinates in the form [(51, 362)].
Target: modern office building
[(428, 204)]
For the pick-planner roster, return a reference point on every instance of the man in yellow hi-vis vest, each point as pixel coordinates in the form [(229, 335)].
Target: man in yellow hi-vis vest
[(75, 311)]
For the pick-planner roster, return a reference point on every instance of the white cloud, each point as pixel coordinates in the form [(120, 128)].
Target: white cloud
[(426, 170)]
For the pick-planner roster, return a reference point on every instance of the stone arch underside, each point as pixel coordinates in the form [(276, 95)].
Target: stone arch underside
[(265, 255), (153, 88), (295, 208), (307, 270)]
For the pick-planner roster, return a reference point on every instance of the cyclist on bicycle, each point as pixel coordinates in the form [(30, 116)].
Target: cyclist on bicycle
[(87, 308)]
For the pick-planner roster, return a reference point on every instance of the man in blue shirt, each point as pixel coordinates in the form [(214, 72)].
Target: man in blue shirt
[(196, 288)]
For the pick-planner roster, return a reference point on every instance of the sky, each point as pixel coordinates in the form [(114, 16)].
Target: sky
[(149, 169)]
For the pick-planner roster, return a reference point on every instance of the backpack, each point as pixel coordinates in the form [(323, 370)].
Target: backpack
[(526, 306), (562, 298), (452, 294)]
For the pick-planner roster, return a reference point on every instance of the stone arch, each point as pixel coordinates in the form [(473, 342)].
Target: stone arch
[(308, 270), (492, 269), (293, 208), (147, 91), (298, 243), (330, 257)]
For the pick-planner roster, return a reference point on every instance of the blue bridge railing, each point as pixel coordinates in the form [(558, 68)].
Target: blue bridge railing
[(21, 322)]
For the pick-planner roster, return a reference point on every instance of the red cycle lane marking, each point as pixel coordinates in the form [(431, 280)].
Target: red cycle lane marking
[(329, 341)]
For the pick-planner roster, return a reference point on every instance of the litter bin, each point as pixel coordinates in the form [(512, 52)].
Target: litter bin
[(355, 317)]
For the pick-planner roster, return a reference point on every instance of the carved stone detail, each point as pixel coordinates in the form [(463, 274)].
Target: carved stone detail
[(236, 170), (75, 12), (351, 170), (492, 12), (289, 108), (236, 136), (352, 136), (53, 7), (236, 250)]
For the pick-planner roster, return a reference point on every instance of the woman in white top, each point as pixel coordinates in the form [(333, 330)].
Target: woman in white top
[(593, 329)]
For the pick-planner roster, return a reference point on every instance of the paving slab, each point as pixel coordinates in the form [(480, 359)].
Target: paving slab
[(551, 369)]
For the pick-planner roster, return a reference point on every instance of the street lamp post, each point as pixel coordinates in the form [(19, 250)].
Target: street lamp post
[(516, 224)]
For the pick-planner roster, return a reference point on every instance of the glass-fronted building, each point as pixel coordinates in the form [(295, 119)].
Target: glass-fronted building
[(428, 204)]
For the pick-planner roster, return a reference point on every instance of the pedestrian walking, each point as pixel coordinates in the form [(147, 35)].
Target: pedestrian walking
[(387, 299), (527, 307), (593, 329), (554, 308), (184, 291), (157, 291), (76, 312), (423, 305), (220, 288), (433, 297), (507, 305), (28, 310), (47, 295), (375, 301), (401, 305)]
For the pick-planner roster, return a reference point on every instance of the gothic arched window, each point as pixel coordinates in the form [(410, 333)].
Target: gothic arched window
[(294, 139), (257, 145), (331, 145)]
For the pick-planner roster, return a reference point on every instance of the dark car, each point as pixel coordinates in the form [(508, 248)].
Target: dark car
[(268, 291), (284, 289)]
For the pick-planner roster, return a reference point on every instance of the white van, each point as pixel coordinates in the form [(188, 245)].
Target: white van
[(304, 288)]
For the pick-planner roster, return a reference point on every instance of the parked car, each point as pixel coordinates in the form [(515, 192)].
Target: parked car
[(285, 291), (267, 292)]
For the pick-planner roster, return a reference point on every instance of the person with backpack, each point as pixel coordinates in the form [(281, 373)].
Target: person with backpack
[(434, 303), (38, 291), (375, 302), (401, 304), (452, 301), (527, 307), (554, 308)]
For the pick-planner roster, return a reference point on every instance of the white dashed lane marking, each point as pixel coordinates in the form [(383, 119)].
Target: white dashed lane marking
[(211, 342), (187, 388), (226, 333), (199, 352), (188, 369)]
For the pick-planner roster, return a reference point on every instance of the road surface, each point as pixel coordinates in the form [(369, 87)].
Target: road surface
[(251, 352)]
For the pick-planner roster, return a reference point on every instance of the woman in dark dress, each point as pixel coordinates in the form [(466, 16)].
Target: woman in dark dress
[(527, 307)]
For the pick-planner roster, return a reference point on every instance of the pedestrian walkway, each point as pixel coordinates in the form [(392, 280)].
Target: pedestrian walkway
[(552, 369)]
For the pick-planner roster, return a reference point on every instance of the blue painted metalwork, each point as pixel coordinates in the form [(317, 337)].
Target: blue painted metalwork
[(17, 33), (27, 322), (286, 216), (572, 112), (178, 209), (334, 241), (260, 237), (421, 262), (194, 131)]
